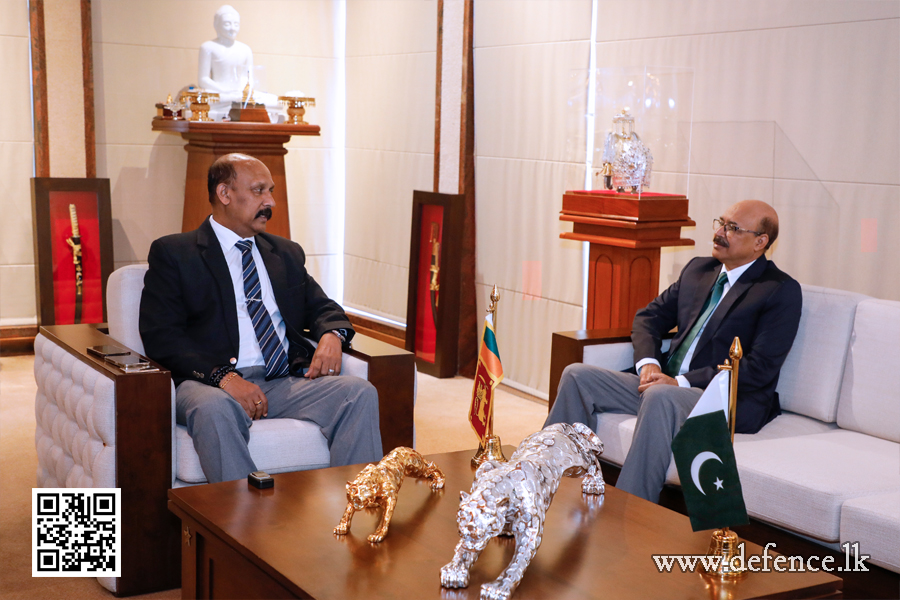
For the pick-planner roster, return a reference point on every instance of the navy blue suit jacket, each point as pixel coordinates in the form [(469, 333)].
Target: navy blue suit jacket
[(762, 308), (188, 317)]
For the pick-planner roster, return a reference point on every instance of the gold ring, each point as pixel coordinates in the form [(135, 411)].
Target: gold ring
[(258, 403)]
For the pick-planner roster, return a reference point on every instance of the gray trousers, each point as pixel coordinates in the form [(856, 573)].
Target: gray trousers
[(345, 409), (661, 410)]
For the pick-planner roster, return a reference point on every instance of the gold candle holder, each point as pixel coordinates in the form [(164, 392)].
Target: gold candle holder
[(295, 106), (199, 101)]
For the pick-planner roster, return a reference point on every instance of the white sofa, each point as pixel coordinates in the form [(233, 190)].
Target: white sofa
[(100, 428), (828, 468)]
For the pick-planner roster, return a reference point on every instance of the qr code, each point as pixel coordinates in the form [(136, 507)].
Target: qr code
[(75, 532)]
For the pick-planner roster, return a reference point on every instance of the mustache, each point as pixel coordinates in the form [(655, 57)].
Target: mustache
[(265, 212), (718, 239)]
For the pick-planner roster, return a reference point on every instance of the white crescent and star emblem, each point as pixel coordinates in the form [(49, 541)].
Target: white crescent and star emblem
[(695, 469)]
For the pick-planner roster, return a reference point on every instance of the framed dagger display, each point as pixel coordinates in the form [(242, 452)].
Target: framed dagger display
[(72, 248), (432, 313)]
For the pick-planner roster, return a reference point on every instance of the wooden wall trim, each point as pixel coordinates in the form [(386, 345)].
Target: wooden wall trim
[(437, 97), (17, 340), (87, 61), (39, 88), (469, 325)]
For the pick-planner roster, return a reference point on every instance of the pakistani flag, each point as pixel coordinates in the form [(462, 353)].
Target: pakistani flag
[(704, 456)]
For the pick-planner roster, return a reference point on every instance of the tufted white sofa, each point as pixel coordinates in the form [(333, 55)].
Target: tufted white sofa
[(99, 427), (827, 468)]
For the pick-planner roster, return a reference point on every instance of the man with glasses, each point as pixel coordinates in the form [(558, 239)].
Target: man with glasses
[(735, 293)]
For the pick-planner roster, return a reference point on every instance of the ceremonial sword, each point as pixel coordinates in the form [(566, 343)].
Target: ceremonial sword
[(434, 286), (75, 243)]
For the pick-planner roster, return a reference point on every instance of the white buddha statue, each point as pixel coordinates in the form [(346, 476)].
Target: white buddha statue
[(226, 66)]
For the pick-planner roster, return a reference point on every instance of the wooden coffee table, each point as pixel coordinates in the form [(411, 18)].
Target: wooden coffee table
[(241, 542)]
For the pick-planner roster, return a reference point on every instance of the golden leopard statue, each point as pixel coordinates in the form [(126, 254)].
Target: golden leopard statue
[(378, 485)]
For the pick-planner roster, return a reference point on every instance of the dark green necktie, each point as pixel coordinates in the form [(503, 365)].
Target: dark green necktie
[(674, 365)]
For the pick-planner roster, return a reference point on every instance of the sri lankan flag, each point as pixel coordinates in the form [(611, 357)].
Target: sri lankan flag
[(488, 374)]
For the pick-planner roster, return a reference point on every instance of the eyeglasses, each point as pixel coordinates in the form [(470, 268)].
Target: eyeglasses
[(732, 228)]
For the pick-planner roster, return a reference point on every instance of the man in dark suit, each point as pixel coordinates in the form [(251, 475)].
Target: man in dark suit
[(736, 293), (224, 308)]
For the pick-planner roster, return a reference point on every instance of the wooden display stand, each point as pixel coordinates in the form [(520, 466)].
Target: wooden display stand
[(626, 232), (207, 141)]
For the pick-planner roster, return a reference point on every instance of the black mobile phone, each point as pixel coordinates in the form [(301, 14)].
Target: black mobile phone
[(107, 350), (129, 362), (260, 479)]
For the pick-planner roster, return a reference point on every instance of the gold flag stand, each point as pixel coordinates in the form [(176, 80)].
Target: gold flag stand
[(491, 449), (724, 542)]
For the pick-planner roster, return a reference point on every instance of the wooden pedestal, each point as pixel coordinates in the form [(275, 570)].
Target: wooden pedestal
[(626, 232), (207, 141)]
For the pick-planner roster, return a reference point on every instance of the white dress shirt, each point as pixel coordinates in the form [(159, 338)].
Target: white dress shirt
[(733, 276), (250, 354)]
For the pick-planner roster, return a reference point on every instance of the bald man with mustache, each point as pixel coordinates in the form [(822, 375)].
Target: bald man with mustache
[(226, 307), (735, 293)]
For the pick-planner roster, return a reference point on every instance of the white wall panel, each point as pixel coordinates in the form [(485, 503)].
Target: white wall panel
[(517, 215), (326, 270), (17, 301), (15, 72), (125, 104), (14, 19), (376, 287), (147, 189), (391, 27), (316, 210), (267, 26), (514, 22), (644, 19), (390, 70), (16, 230), (17, 305), (521, 98), (379, 203), (390, 102), (65, 81), (830, 88)]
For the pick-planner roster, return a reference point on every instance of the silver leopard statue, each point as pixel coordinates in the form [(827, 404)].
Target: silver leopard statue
[(512, 498)]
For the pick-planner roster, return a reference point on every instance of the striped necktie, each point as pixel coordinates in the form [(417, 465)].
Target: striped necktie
[(673, 367), (269, 343)]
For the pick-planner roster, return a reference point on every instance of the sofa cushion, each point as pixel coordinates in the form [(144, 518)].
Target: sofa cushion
[(276, 446), (874, 522), (869, 393), (617, 431), (800, 483), (810, 380), (123, 304)]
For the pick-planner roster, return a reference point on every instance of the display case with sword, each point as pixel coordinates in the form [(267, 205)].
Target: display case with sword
[(75, 244)]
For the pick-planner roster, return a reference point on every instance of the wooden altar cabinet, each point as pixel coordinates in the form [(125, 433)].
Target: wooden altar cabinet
[(626, 232), (207, 141)]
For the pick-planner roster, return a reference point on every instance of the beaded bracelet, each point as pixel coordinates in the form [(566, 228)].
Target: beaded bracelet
[(216, 377)]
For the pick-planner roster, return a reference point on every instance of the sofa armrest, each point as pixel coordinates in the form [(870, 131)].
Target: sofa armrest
[(567, 347), (140, 414), (607, 348), (392, 371)]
